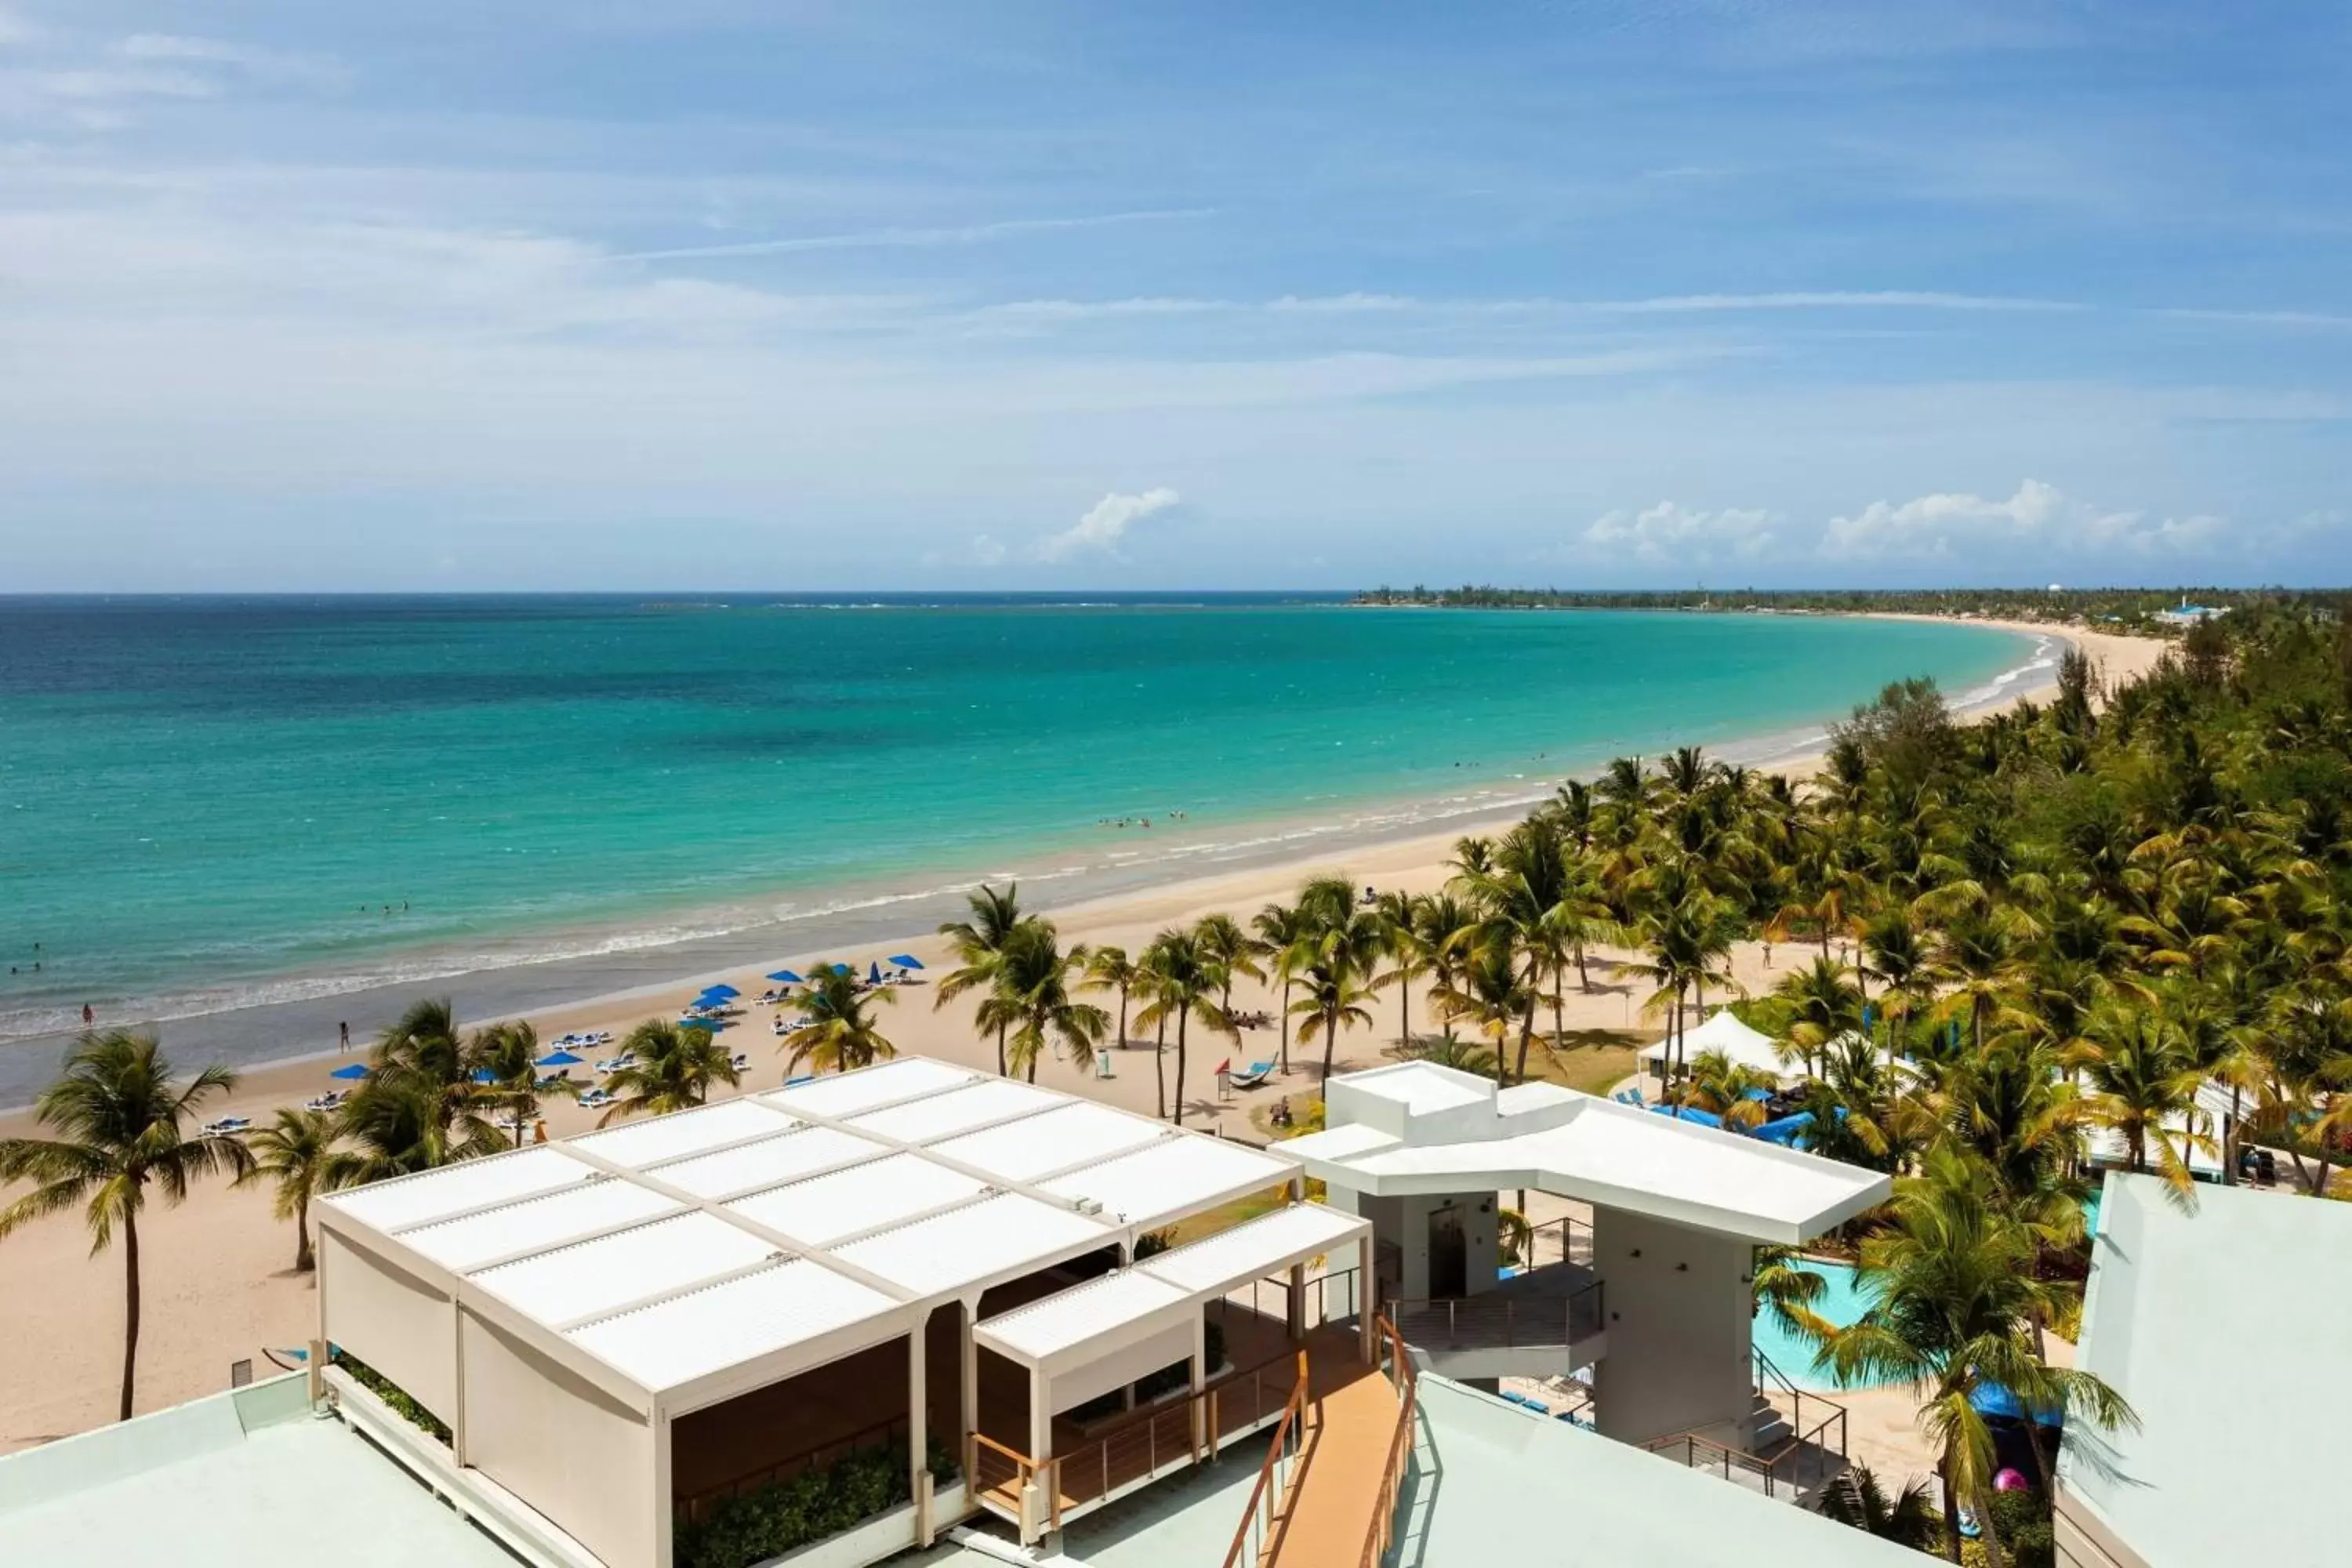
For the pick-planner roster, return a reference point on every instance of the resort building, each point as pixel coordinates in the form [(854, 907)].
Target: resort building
[(2234, 1453), (914, 1301), (1656, 1301)]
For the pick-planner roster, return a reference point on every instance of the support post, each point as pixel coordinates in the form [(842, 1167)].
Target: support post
[(1037, 1499), (1295, 1302), (1198, 1406), (1366, 1298), (918, 1443)]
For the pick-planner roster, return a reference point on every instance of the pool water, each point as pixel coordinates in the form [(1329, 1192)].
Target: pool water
[(1841, 1302)]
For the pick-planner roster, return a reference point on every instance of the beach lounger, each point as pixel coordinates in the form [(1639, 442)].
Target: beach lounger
[(1628, 1097), (1258, 1074)]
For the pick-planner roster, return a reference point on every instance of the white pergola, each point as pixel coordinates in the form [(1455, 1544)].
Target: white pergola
[(561, 1305)]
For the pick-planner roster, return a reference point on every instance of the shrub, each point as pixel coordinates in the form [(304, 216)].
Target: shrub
[(782, 1515), (396, 1398)]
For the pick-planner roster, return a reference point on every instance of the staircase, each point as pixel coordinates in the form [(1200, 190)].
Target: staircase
[(1796, 1442), (1327, 1496)]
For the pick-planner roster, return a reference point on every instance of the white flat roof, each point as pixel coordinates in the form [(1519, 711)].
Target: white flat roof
[(997, 1237), (672, 1341), (1414, 1086), (637, 1144), (2224, 1326), (913, 1180), (858, 1198), (1616, 1156), (1078, 1133), (958, 1111), (533, 1225), (1252, 1250), (593, 1278), (1071, 1317), (887, 1083), (787, 1157), (457, 1189), (1170, 1176)]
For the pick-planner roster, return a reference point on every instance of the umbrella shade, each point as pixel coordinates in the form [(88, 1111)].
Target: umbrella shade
[(720, 991), (350, 1074), (873, 974), (843, 969), (1995, 1399), (484, 1075), (787, 977), (906, 961), (558, 1059)]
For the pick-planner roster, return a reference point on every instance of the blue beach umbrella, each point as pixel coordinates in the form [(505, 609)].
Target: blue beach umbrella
[(558, 1059), (843, 969), (906, 961), (873, 974), (720, 991), (484, 1075), (351, 1074), (787, 977), (1995, 1399)]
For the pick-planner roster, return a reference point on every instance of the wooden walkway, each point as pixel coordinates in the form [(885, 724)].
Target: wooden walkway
[(1351, 1419)]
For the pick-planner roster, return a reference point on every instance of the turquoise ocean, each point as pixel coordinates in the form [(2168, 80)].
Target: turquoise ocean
[(272, 812)]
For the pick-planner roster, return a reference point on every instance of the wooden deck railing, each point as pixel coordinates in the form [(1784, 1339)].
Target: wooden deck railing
[(1278, 1479), (1405, 1381)]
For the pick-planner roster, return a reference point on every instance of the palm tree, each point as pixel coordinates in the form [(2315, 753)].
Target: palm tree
[(1822, 1005), (672, 1067), (1908, 1518), (507, 1074), (1110, 969), (1487, 991), (2143, 1081), (1185, 982), (842, 1036), (1029, 1001), (1339, 961), (398, 1125), (1729, 1090), (1283, 931), (1231, 949), (119, 1116), (1687, 935), (423, 1068), (1955, 1301), (293, 1152), (1396, 915), (978, 942), (1442, 927)]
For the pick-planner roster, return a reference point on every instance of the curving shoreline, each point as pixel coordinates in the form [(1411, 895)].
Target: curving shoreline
[(1267, 856)]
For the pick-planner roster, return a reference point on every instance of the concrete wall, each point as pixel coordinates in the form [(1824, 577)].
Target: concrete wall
[(2083, 1540), (564, 1446), (1678, 1323), (393, 1320), (1404, 1222), (1076, 1386)]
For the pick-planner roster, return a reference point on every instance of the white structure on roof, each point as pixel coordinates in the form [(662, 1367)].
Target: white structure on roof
[(611, 1286), (1745, 1046), (2235, 1449), (1664, 1314)]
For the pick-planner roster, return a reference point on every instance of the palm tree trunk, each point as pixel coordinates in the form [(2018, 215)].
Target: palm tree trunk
[(130, 1308), (1330, 1036), (1000, 1051), (1951, 1508), (1559, 1009), (1526, 1037), (1183, 1020), (1122, 1018), (1160, 1066), (1285, 1025), (302, 1260), (1404, 1009), (1583, 975)]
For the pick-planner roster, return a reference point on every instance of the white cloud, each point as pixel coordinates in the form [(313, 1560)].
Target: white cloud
[(1957, 526), (1104, 525), (966, 234), (1669, 533)]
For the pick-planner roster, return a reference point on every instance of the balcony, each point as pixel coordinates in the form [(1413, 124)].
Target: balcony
[(1549, 1320)]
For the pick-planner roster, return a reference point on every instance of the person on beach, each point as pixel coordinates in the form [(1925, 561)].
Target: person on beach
[(88, 1018), (343, 1036)]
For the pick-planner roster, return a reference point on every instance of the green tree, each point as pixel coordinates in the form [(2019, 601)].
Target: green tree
[(841, 1035), (672, 1067), (293, 1152), (1907, 1519), (121, 1124), (1183, 985), (1110, 969), (1029, 1001), (979, 944)]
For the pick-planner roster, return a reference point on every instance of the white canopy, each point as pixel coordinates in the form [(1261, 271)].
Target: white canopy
[(1745, 1046)]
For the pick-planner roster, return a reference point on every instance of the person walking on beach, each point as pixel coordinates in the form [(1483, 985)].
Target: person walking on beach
[(88, 1018), (343, 1036)]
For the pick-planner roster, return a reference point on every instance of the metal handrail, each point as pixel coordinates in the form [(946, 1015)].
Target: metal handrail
[(1770, 1468), (1265, 1500), (1406, 1381), (1504, 1321)]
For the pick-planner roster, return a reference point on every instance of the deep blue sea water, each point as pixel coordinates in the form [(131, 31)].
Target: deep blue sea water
[(211, 803)]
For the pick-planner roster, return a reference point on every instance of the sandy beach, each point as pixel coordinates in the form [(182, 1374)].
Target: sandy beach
[(217, 1278)]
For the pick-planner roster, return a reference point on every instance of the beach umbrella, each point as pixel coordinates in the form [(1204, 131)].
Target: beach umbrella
[(559, 1059), (843, 969), (720, 991), (1990, 1398), (906, 961), (484, 1075), (350, 1074), (787, 977), (873, 974)]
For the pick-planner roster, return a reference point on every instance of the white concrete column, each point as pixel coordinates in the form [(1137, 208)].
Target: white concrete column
[(1679, 1328), (664, 1532), (1295, 1301), (1366, 1295), (969, 1394), (1201, 1433), (918, 1469)]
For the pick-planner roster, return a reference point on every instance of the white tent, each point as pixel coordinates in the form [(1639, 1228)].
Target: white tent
[(1745, 1046)]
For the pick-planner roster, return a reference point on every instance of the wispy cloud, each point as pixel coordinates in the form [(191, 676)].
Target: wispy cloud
[(1954, 526), (1669, 533), (1104, 525), (2321, 319), (966, 234)]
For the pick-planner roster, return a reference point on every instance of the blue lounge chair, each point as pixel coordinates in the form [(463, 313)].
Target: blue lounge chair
[(1258, 1074), (1628, 1097)]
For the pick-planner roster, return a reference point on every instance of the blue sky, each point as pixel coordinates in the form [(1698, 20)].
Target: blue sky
[(617, 294)]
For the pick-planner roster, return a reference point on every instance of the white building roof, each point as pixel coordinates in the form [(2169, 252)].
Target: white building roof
[(1745, 1046), (897, 1186), (976, 1104), (1418, 1091), (1291, 1234), (803, 1151), (858, 1198), (1171, 1177), (534, 1224), (848, 1094), (589, 1279), (1078, 1133), (1071, 1318), (1582, 1147), (457, 1189), (672, 1341), (2226, 1418), (636, 1144), (996, 1238)]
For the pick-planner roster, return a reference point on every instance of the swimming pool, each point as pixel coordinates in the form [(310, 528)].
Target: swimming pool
[(1842, 1303)]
